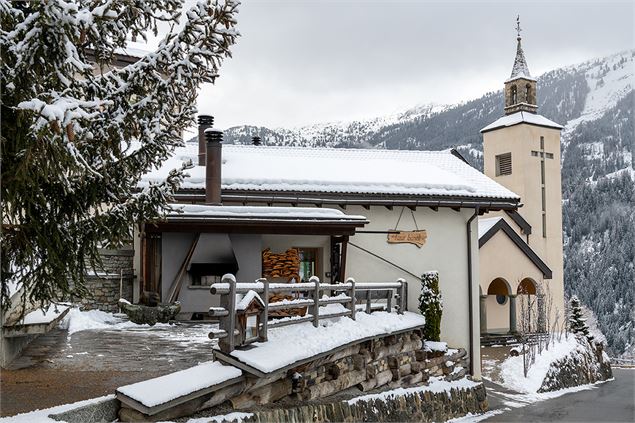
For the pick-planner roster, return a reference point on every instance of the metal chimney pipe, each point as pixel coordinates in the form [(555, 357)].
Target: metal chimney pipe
[(256, 140), (204, 122), (214, 156)]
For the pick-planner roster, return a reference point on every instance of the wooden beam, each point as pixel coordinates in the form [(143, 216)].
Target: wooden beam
[(175, 288), (434, 208), (413, 208), (456, 209), (366, 206), (342, 206), (136, 405), (388, 207)]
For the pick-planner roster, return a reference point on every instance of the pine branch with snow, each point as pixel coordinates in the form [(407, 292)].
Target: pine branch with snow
[(577, 323), (431, 305), (78, 133)]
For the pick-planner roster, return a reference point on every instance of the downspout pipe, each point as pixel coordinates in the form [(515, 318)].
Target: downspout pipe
[(470, 278)]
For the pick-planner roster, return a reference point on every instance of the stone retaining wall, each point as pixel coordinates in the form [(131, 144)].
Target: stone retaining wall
[(587, 364), (104, 285), (383, 363), (415, 407)]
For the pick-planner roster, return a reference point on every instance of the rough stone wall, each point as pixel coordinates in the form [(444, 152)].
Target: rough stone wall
[(587, 364), (415, 407), (104, 283), (390, 362)]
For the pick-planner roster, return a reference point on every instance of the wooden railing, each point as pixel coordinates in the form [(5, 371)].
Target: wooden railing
[(349, 293)]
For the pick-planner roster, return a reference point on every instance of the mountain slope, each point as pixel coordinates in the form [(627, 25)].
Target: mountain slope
[(594, 100)]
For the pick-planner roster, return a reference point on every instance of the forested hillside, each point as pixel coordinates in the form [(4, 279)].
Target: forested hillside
[(594, 101)]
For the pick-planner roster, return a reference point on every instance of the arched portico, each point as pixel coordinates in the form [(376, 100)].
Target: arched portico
[(532, 307), (498, 312)]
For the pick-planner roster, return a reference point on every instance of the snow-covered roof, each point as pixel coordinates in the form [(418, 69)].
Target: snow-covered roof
[(484, 225), (330, 170), (522, 117), (520, 69), (247, 299), (255, 212)]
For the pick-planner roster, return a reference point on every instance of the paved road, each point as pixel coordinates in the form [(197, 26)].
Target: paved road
[(609, 402)]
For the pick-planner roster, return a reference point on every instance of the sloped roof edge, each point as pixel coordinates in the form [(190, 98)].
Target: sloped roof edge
[(516, 239)]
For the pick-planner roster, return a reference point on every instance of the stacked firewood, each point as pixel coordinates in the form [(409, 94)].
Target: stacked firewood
[(284, 265), (287, 312)]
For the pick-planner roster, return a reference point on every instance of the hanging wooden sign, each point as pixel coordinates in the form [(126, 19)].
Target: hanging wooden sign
[(417, 237)]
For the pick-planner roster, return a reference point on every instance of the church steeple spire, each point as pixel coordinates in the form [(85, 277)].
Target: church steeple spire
[(520, 88)]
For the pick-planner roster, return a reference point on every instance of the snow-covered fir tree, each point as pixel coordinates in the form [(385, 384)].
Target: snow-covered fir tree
[(577, 323), (431, 305), (78, 133)]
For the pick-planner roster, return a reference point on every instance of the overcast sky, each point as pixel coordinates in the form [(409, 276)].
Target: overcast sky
[(300, 62)]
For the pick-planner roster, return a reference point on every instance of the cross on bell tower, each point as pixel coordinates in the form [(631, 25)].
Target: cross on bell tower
[(520, 88)]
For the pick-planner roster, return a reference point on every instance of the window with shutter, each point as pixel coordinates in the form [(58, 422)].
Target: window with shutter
[(504, 164)]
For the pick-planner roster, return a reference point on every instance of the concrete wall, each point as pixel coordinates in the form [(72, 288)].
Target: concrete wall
[(525, 180)]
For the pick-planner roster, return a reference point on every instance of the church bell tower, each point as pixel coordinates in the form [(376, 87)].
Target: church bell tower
[(521, 151)]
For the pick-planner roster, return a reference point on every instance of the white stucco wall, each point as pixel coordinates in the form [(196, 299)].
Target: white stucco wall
[(444, 251)]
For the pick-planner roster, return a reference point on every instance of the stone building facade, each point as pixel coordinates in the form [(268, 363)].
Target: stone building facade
[(113, 281)]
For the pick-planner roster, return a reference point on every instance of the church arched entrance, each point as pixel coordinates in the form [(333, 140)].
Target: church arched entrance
[(496, 308), (531, 313)]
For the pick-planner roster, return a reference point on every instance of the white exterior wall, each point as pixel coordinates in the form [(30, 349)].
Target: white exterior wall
[(445, 251)]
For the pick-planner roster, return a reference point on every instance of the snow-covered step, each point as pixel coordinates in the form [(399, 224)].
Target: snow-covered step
[(36, 322), (155, 395)]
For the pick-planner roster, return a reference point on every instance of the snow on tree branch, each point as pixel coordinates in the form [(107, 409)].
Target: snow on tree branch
[(78, 132)]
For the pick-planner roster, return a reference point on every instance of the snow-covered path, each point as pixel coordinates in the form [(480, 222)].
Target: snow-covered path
[(610, 401)]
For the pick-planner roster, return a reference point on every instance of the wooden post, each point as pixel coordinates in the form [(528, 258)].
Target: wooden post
[(265, 315), (228, 323), (401, 296), (389, 301), (316, 300), (342, 274), (351, 293), (368, 304)]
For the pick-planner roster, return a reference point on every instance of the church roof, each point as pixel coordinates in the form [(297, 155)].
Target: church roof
[(520, 69), (522, 117), (489, 227)]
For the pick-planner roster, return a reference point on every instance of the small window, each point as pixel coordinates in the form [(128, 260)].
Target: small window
[(549, 155), (504, 164), (534, 153), (514, 94)]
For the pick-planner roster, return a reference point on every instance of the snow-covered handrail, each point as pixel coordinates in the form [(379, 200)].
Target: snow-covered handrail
[(233, 316)]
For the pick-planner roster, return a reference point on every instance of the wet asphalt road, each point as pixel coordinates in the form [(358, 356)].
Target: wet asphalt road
[(613, 401)]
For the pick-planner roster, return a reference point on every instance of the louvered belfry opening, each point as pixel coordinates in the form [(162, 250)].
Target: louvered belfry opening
[(504, 164)]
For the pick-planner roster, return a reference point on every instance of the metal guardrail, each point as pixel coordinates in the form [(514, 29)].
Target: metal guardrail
[(348, 293)]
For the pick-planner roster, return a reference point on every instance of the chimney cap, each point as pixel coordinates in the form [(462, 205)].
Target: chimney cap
[(206, 120), (213, 135)]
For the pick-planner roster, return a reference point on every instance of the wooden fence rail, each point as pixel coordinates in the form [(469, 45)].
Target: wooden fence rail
[(349, 293)]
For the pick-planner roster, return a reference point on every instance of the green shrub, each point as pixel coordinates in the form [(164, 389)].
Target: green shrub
[(431, 305)]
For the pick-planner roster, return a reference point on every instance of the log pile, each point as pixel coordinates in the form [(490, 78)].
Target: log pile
[(283, 265), (287, 267)]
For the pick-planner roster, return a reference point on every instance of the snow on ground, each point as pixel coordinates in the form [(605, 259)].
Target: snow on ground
[(522, 400), (512, 374), (41, 316), (307, 340), (162, 389), (77, 320), (236, 416), (42, 416), (473, 418), (435, 385), (436, 346)]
